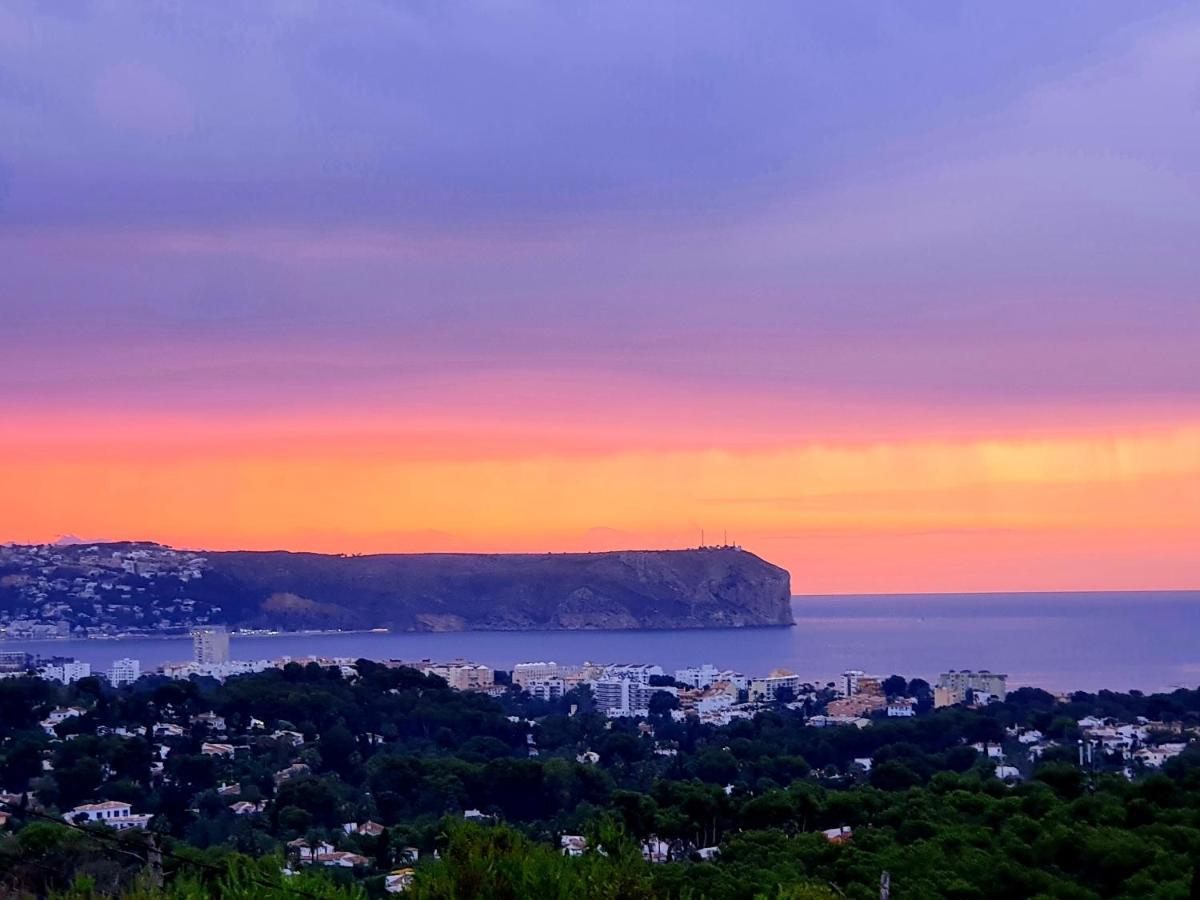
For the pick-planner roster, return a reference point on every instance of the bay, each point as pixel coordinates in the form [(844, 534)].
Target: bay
[(1059, 641)]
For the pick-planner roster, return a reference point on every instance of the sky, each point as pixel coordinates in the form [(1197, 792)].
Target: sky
[(901, 296)]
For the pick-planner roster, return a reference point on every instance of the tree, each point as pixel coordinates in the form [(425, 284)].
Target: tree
[(662, 702), (78, 781), (716, 766), (894, 775), (22, 762), (316, 796), (338, 748), (638, 812)]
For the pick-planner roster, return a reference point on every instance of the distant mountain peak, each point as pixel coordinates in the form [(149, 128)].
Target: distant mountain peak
[(70, 540)]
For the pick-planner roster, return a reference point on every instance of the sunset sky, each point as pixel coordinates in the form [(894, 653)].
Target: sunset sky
[(905, 297)]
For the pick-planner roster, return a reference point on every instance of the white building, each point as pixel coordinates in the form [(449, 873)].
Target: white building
[(67, 672), (954, 687), (1154, 757), (617, 697), (546, 688), (697, 676), (639, 672), (112, 813), (58, 716), (1036, 751), (399, 880), (306, 852), (209, 720), (219, 671), (737, 679), (718, 696), (902, 708), (613, 696), (124, 671), (848, 684), (707, 675), (766, 689), (988, 749), (835, 721), (62, 713), (211, 645), (573, 844)]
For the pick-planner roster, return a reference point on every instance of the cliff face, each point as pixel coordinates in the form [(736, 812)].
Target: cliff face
[(453, 592)]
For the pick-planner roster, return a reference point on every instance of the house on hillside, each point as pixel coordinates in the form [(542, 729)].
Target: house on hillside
[(398, 881), (295, 770), (573, 845), (113, 813)]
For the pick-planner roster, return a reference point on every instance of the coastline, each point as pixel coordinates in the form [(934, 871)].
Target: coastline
[(1122, 640), (116, 638)]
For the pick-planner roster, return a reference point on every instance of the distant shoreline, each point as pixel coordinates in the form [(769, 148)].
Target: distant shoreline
[(395, 632), (116, 638), (1122, 641), (1188, 594)]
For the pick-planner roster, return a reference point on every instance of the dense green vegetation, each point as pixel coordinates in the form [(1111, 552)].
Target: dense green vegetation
[(395, 747)]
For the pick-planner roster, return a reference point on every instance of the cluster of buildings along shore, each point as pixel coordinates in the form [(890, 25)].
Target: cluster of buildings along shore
[(715, 696), (78, 591)]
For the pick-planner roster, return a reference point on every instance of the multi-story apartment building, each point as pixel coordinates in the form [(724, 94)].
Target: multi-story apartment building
[(697, 676), (624, 696), (124, 671), (546, 688), (528, 672), (13, 660), (66, 672), (767, 689), (463, 676), (855, 681), (953, 687), (858, 705), (612, 695), (639, 672), (211, 645)]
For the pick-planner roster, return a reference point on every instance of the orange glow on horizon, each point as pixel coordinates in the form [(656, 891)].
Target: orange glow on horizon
[(1086, 510)]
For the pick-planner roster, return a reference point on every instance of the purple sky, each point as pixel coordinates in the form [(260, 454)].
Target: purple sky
[(940, 201), (906, 283)]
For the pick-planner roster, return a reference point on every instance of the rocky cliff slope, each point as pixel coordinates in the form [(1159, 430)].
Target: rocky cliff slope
[(451, 592), (129, 587)]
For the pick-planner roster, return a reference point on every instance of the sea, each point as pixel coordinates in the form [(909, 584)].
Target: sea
[(1148, 641)]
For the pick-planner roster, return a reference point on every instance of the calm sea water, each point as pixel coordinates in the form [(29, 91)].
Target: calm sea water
[(1059, 641)]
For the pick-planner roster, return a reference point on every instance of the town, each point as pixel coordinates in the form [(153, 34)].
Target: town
[(702, 693), (51, 591), (708, 695), (620, 690), (350, 764)]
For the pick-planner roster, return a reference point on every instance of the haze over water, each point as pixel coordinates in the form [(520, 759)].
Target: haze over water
[(1058, 641)]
